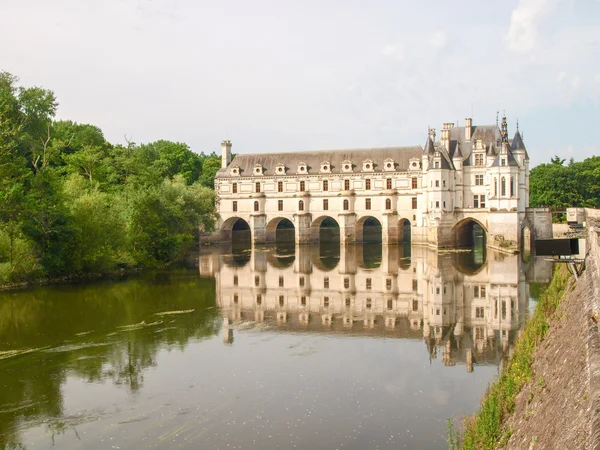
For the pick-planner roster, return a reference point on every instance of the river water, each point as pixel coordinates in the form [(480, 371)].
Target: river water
[(366, 347)]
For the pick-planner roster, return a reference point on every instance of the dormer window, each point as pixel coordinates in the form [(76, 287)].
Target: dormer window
[(347, 166), (367, 165), (325, 167), (235, 171), (258, 169), (302, 167), (414, 164), (280, 169), (389, 165)]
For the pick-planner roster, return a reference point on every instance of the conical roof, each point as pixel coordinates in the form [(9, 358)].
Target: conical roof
[(429, 148)]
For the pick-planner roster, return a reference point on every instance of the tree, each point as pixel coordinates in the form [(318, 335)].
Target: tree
[(210, 167)]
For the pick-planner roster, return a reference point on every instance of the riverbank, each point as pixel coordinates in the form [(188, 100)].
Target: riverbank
[(546, 395)]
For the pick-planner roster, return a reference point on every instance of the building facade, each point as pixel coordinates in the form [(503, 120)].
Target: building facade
[(470, 176)]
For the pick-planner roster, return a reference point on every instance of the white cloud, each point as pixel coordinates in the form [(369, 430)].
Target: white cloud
[(396, 51), (438, 40), (575, 82), (522, 33)]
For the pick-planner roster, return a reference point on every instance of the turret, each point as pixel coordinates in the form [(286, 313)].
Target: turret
[(225, 154)]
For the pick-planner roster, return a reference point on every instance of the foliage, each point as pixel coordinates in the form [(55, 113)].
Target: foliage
[(73, 203), (487, 429), (560, 186)]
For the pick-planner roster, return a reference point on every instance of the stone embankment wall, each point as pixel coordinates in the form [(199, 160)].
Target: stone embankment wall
[(560, 407)]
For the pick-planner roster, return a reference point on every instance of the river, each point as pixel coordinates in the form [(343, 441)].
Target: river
[(363, 347)]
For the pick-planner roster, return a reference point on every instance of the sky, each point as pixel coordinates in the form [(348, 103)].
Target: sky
[(283, 75)]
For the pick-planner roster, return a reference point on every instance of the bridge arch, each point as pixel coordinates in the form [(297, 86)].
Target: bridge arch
[(404, 231), (325, 229), (235, 228), (368, 229), (469, 232), (280, 229)]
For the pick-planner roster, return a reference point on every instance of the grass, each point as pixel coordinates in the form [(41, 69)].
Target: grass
[(487, 429)]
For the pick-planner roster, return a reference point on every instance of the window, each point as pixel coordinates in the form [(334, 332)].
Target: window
[(414, 203), (369, 283), (325, 204), (503, 187), (301, 281), (346, 205), (437, 204), (235, 298), (325, 185), (482, 201), (257, 187), (326, 302), (368, 184), (368, 303), (479, 312), (503, 162), (303, 300), (256, 206), (388, 183), (415, 285), (279, 205), (280, 281), (415, 305), (478, 180), (390, 304), (256, 281), (414, 183), (346, 283), (234, 188), (301, 205), (367, 203), (479, 159), (476, 201), (444, 204), (475, 291), (234, 206), (388, 203), (388, 284), (326, 283), (436, 165), (512, 187), (437, 311), (437, 290), (504, 309), (281, 300), (482, 291), (280, 186), (302, 186), (495, 187), (346, 185), (258, 299), (235, 280), (347, 302), (437, 183)]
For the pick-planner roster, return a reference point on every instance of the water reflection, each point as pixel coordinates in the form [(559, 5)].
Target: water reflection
[(467, 306)]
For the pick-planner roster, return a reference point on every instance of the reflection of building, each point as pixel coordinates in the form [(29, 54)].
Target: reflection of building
[(438, 297), (474, 174)]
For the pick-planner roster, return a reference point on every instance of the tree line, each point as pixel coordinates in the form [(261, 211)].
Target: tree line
[(73, 203), (559, 185)]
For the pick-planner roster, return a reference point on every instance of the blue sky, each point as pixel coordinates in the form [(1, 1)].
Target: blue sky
[(294, 75)]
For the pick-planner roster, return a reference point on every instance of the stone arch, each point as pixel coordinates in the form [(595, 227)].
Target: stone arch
[(368, 229), (326, 229), (404, 231), (280, 229), (235, 228), (465, 232)]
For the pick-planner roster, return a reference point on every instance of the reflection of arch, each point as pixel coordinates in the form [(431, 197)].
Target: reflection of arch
[(325, 256), (368, 229), (469, 232), (235, 227), (369, 256), (282, 256), (326, 229), (280, 229), (470, 263), (404, 231), (526, 241)]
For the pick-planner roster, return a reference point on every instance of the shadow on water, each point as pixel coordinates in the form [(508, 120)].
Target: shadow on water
[(471, 262), (371, 255)]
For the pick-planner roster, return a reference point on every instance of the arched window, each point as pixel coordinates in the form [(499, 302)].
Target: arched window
[(301, 205), (346, 205), (512, 186), (255, 206), (503, 190), (495, 187), (388, 203)]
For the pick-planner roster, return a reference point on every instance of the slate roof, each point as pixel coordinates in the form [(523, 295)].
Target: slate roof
[(517, 143), (510, 160), (487, 134), (400, 155)]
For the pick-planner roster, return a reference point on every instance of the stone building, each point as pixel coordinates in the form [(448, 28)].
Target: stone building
[(472, 178)]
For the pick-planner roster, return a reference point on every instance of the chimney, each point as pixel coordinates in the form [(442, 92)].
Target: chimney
[(468, 128), (225, 153), (445, 137)]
